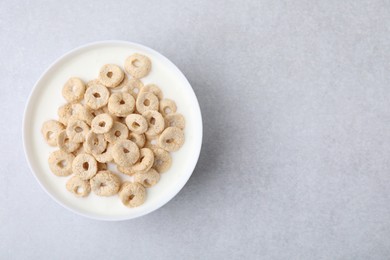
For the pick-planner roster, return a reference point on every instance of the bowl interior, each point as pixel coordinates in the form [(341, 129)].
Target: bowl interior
[(85, 63)]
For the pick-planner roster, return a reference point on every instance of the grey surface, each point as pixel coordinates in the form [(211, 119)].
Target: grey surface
[(296, 105)]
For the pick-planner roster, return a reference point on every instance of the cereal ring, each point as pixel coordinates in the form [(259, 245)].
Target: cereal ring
[(144, 163), (171, 139), (84, 166), (152, 88), (73, 90), (117, 132), (147, 179), (151, 142), (50, 131), (65, 144), (95, 143), (74, 111), (121, 104), (162, 160), (132, 194), (175, 120), (60, 163), (139, 140), (105, 183), (78, 187), (105, 156), (138, 65), (77, 130), (125, 152), (136, 123), (167, 106), (80, 112), (133, 86), (155, 121), (102, 123), (146, 101), (96, 96), (111, 75)]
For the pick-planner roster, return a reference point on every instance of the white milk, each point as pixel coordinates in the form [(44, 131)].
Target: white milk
[(85, 63)]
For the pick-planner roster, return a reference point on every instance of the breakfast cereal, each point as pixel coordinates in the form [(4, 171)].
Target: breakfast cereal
[(121, 104), (175, 120), (132, 194), (50, 130), (147, 179), (65, 144), (102, 123), (146, 101), (171, 139), (84, 166), (105, 183), (167, 106), (77, 130), (125, 152), (95, 143), (117, 132), (111, 75), (96, 96), (136, 123), (73, 90), (79, 187), (138, 65), (133, 86), (162, 160), (60, 163), (114, 120), (155, 121)]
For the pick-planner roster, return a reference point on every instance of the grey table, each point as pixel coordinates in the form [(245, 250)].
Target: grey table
[(296, 106)]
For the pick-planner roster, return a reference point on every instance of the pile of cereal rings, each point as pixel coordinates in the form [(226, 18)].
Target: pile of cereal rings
[(114, 120)]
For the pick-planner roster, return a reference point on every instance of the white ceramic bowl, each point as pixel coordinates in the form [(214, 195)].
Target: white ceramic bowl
[(85, 62)]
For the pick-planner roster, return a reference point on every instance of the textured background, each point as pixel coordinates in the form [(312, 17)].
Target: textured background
[(296, 106)]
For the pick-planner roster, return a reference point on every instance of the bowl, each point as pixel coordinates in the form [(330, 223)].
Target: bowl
[(85, 62)]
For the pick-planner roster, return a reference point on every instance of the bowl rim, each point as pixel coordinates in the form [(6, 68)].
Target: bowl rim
[(170, 195)]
